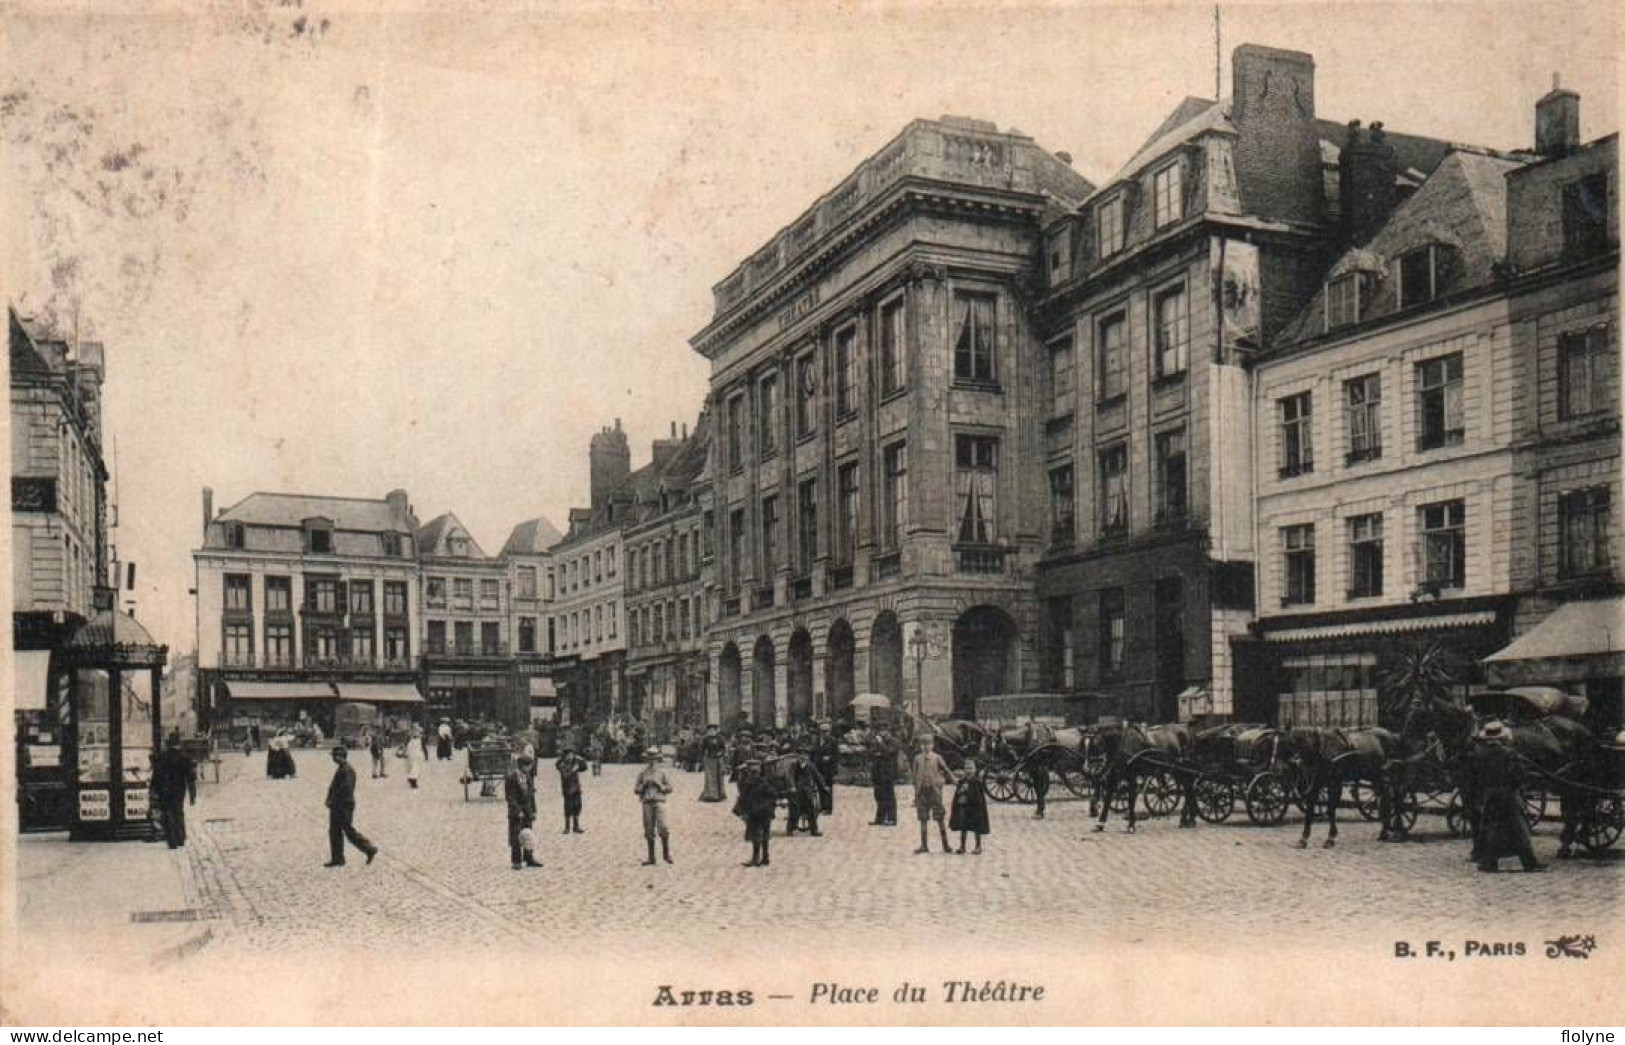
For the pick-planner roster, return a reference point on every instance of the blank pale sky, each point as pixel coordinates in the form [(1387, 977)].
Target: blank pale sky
[(439, 251)]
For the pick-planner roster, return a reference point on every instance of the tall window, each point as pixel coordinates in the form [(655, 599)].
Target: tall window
[(322, 644), (975, 342), (708, 528), (490, 593), (1172, 332), (1584, 516), (322, 595), (1298, 549), (463, 634), (361, 598), (634, 632), (1170, 200), (1113, 633), (462, 593), (736, 433), (976, 475), (1109, 226), (239, 593), (682, 619), (736, 546), (1419, 276), (527, 634), (1063, 509), (895, 505), (1582, 359), (597, 572), (397, 647), (1113, 353), (1297, 454), (1061, 389), (846, 512), (632, 558), (1363, 397), (1440, 417), (279, 645), (1113, 499), (1365, 556), (434, 593), (770, 533), (767, 391), (363, 645), (1443, 526), (279, 594), (1344, 300), (437, 636), (1170, 449), (1585, 216), (1058, 254), (893, 347), (659, 552), (806, 526), (657, 632), (846, 372), (527, 582), (1061, 662), (806, 394), (239, 645)]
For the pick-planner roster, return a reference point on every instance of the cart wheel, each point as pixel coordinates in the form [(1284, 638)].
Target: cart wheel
[(1077, 781), (1364, 798), (1604, 827), (1022, 787), (1161, 793), (1000, 786), (1410, 807), (1215, 800), (1299, 785), (1455, 816), (1119, 801), (1267, 799), (1534, 805)]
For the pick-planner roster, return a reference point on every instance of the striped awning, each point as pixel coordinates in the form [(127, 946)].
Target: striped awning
[(1398, 626), (1577, 641), (380, 692), (253, 690), (31, 679)]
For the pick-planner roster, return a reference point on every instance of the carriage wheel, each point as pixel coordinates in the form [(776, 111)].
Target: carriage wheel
[(1215, 800), (1410, 807), (1300, 785), (1455, 816), (1161, 793), (1267, 799), (1603, 827), (1364, 798), (1078, 782), (1119, 802), (1000, 785), (1534, 805), (1022, 785)]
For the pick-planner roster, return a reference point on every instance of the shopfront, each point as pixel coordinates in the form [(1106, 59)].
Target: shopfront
[(1578, 647)]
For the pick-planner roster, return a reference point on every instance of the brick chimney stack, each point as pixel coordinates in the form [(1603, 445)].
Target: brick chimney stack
[(1367, 190), (1277, 151), (1557, 120), (208, 510), (609, 461)]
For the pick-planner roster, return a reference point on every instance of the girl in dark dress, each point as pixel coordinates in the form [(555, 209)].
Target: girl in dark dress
[(969, 812)]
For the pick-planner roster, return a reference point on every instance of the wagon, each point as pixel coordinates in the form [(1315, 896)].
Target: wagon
[(487, 762), (1243, 761)]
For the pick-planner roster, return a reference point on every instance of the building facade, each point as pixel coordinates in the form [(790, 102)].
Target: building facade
[(303, 602), (874, 387), (530, 573), (468, 619)]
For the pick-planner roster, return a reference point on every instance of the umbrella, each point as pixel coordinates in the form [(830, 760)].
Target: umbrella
[(871, 700)]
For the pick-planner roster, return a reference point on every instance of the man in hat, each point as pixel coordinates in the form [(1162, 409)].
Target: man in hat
[(1502, 830), (883, 775), (756, 805), (652, 787), (826, 756), (341, 812), (519, 788), (570, 766), (713, 752), (931, 774), (442, 741), (740, 751), (174, 780)]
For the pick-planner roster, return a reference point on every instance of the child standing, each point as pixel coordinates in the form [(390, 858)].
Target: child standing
[(652, 787), (969, 813), (756, 806)]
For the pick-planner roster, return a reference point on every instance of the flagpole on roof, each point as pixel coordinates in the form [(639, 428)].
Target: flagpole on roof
[(1218, 75)]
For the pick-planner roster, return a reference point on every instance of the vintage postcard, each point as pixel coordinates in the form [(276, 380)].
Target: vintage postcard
[(809, 513)]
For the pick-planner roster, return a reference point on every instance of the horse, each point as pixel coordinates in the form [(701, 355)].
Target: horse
[(958, 738), (1331, 757), (795, 778), (1126, 749), (1039, 751)]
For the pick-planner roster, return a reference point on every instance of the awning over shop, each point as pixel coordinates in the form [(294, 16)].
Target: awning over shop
[(542, 690), (1397, 626), (1579, 640), (281, 691), (31, 678), (380, 692)]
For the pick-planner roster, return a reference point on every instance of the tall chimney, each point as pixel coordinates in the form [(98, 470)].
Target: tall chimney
[(1367, 191), (1557, 120), (1277, 150), (208, 510), (609, 463)]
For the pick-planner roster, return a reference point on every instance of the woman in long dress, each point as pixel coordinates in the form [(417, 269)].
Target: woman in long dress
[(713, 758), (414, 755)]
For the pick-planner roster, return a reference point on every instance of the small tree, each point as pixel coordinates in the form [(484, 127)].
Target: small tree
[(1427, 674)]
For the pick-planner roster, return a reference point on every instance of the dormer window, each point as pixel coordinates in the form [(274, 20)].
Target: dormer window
[(1421, 278), (234, 535), (1109, 226), (319, 537), (1345, 300), (1059, 250), (458, 545), (1168, 191)]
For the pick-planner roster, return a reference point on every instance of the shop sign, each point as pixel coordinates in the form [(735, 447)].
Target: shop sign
[(135, 804), (95, 805)]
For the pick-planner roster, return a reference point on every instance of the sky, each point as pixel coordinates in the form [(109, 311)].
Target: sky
[(339, 248)]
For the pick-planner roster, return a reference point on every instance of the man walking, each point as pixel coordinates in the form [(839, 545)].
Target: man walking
[(570, 766), (931, 773), (375, 748), (826, 755), (652, 787), (883, 775), (174, 781), (341, 811), (519, 788)]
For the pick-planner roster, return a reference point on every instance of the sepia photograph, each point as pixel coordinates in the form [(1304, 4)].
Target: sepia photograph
[(878, 513)]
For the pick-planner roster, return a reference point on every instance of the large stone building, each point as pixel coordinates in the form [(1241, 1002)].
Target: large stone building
[(1160, 291), (875, 384), (303, 602), (468, 622), (530, 582)]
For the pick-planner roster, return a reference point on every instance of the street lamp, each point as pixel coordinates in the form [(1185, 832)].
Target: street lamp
[(919, 644)]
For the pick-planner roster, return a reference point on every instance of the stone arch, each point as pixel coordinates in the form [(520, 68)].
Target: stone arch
[(763, 697), (886, 658), (728, 687), (799, 676), (840, 680), (984, 657)]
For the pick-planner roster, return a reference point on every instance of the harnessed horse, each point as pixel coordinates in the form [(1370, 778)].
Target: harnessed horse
[(1132, 751)]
